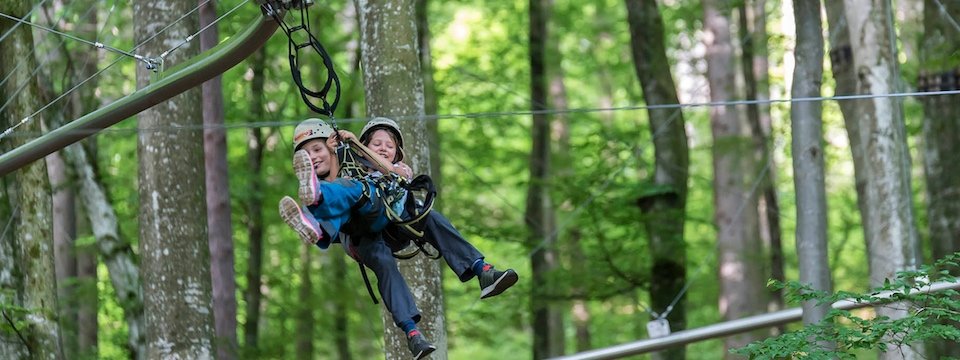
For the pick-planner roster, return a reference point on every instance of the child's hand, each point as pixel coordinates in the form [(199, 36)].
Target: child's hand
[(403, 170), (347, 135)]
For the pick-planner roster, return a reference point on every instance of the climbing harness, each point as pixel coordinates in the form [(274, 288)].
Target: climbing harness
[(406, 204)]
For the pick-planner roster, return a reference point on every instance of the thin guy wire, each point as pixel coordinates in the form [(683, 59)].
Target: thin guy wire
[(84, 41), (113, 5), (943, 12), (593, 195), (27, 16), (189, 38), (33, 49), (26, 119), (35, 69), (7, 227)]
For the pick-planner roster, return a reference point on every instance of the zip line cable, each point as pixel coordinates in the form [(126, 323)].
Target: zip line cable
[(483, 115)]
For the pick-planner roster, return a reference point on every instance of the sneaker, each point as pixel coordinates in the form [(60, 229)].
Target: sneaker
[(305, 225), (419, 346), (493, 281), (307, 175)]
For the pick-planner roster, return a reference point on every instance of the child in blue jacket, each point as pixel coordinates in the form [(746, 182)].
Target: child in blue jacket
[(349, 211)]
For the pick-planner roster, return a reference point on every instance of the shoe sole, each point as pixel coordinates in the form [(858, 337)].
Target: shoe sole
[(306, 174), (503, 283), (425, 352), (291, 214)]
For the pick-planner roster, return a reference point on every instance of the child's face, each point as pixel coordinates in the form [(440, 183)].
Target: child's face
[(382, 143), (321, 157)]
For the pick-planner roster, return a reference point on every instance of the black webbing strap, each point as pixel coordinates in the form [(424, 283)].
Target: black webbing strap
[(366, 281), (316, 100)]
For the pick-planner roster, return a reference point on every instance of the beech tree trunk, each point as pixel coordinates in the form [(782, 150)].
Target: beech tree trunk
[(430, 102), (891, 234), (808, 163), (394, 88), (735, 170), (174, 245), (116, 253)]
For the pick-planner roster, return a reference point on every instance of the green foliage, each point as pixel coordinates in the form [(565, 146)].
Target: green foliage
[(931, 316)]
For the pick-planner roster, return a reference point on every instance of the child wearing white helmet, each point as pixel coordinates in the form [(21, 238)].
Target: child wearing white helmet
[(331, 204), (383, 136)]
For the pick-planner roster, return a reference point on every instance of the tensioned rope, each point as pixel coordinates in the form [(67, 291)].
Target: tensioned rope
[(480, 115), (68, 92)]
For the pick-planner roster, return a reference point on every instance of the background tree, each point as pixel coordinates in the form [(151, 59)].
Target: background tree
[(254, 214), (33, 231), (941, 135), (742, 291), (807, 128), (173, 223), (663, 208), (548, 339), (218, 201), (11, 282), (756, 86), (393, 87), (891, 234)]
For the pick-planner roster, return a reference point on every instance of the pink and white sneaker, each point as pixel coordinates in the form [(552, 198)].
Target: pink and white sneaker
[(308, 192), (304, 224)]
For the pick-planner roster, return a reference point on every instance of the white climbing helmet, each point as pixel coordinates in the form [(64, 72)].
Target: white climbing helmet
[(387, 124), (310, 129)]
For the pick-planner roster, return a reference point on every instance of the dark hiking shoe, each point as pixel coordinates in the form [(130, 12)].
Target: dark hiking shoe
[(307, 176), (419, 346), (304, 224), (493, 281)]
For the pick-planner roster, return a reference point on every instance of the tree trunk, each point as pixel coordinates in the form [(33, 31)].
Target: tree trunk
[(83, 66), (394, 88), (116, 253), (941, 133), (340, 321), (663, 212), (941, 137), (33, 231), (756, 84), (741, 266), (430, 102), (808, 163), (841, 64), (65, 259), (891, 235), (254, 224), (305, 322), (218, 199), (548, 337), (173, 223), (11, 283)]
